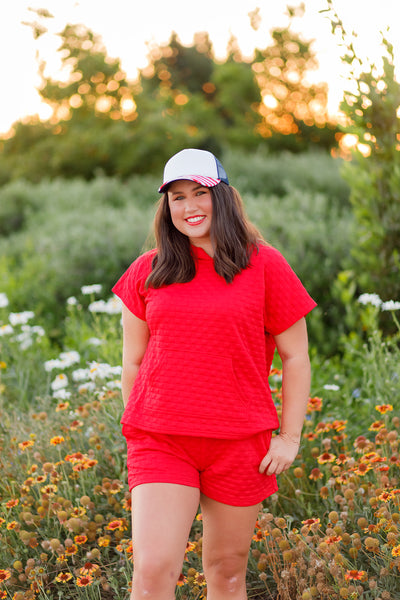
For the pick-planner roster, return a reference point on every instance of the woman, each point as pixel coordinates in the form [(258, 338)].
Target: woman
[(202, 316)]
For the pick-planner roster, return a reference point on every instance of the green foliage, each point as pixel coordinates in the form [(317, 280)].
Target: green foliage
[(79, 233), (263, 172), (179, 67), (71, 233), (374, 172), (184, 98)]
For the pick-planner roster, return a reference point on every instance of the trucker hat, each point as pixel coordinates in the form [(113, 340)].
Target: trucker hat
[(200, 166)]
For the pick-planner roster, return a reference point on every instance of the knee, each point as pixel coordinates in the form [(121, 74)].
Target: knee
[(226, 573), (154, 574)]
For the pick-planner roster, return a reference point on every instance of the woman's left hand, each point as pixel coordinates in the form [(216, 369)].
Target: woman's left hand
[(280, 456)]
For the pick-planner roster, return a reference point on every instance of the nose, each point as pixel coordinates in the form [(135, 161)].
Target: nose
[(191, 203)]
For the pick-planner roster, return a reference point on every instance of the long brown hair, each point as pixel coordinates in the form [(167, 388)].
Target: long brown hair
[(233, 238)]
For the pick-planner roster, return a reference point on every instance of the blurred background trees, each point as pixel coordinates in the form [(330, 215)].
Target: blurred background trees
[(101, 122)]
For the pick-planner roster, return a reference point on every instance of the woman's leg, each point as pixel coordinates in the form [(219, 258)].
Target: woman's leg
[(162, 515), (227, 533)]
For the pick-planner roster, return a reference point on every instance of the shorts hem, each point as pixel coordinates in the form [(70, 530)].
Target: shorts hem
[(160, 479), (235, 501)]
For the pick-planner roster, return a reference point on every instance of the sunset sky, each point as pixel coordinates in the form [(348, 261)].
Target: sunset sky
[(127, 26)]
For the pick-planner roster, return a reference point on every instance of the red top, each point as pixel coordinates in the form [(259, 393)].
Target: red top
[(205, 370)]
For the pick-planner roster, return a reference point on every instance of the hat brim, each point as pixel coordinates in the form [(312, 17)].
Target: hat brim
[(201, 179)]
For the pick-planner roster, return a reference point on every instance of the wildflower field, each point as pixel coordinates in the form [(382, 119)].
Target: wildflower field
[(332, 531)]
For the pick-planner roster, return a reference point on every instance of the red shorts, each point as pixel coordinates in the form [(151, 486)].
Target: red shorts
[(223, 469)]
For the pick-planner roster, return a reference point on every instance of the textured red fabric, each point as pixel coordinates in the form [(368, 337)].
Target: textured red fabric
[(205, 370), (224, 470)]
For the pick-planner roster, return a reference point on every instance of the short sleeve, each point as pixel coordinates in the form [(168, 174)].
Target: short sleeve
[(286, 299), (131, 288)]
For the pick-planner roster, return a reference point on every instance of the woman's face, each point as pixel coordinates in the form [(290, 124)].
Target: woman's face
[(190, 205)]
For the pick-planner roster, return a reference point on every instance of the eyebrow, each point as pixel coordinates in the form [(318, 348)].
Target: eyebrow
[(196, 187)]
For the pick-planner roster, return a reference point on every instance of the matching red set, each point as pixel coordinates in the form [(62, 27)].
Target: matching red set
[(205, 370)]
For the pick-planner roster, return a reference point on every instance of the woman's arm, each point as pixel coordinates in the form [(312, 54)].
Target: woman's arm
[(292, 346), (135, 340)]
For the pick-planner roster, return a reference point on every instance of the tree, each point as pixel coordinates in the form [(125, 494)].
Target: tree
[(176, 67), (372, 111), (96, 84), (102, 121), (292, 106), (219, 99)]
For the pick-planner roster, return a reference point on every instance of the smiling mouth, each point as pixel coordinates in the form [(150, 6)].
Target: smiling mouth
[(195, 220)]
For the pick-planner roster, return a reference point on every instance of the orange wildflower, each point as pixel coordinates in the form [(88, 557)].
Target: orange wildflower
[(370, 457), (275, 371), (78, 511), (325, 458), (190, 546), (357, 575), (117, 524), (80, 539), (75, 457), (342, 459), (362, 469), (88, 569), (84, 464), (376, 426), (339, 425), (62, 406), (12, 503), (3, 595), (258, 536), (396, 551), (385, 496), (58, 439), (84, 580), (63, 577), (323, 427), (115, 487), (324, 492), (71, 550), (333, 539), (314, 404), (315, 474), (382, 468), (4, 575), (384, 408), (24, 445), (310, 522), (127, 504), (49, 489), (12, 525), (103, 541), (62, 558)]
